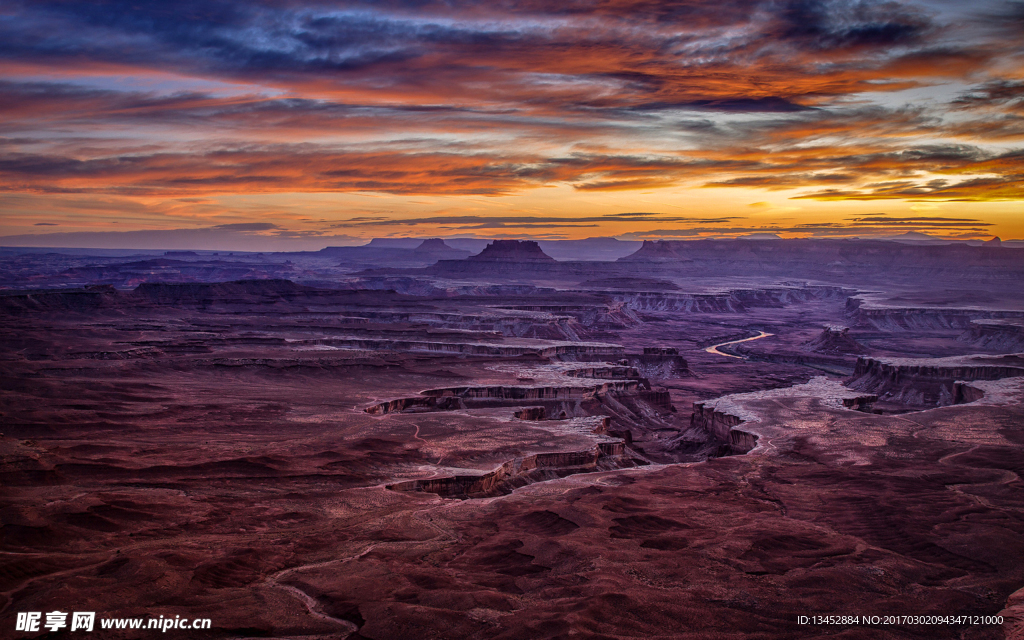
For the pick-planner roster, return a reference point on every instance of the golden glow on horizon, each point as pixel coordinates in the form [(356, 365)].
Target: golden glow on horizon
[(315, 126), (554, 212)]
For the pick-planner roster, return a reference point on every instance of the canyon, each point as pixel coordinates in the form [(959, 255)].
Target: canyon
[(425, 438)]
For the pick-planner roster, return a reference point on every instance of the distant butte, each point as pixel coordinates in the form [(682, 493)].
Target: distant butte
[(436, 248), (433, 244), (512, 251), (654, 251)]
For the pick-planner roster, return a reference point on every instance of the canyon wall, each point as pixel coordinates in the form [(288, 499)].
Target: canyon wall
[(924, 382), (902, 319), (523, 471), (1006, 336), (716, 424)]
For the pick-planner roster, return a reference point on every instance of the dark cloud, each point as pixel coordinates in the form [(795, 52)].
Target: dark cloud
[(442, 45), (766, 104), (832, 25), (1006, 17), (783, 181), (405, 170), (998, 92), (453, 97), (977, 189)]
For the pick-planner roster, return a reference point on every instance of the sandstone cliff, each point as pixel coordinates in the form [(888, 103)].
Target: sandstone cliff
[(928, 382)]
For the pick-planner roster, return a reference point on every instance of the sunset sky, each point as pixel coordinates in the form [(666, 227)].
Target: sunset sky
[(302, 124)]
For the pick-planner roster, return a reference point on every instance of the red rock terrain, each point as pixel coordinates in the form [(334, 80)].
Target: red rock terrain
[(420, 455)]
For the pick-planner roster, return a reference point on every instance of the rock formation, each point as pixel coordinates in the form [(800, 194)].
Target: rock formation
[(1006, 336), (835, 340), (928, 382), (393, 243), (436, 249), (523, 251), (902, 319), (655, 251), (523, 471)]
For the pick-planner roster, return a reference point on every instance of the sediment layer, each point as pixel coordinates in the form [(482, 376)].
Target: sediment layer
[(927, 381), (523, 471)]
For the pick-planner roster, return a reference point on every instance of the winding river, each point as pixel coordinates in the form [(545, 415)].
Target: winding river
[(714, 348)]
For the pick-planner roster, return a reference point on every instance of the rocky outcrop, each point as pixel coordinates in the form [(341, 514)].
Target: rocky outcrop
[(630, 284), (436, 249), (531, 413), (87, 299), (589, 249), (523, 471), (563, 350), (1006, 336), (901, 319), (416, 403), (605, 429), (511, 324), (394, 252), (740, 442), (734, 301), (503, 392), (514, 251), (661, 351), (449, 398), (597, 316), (835, 340), (718, 419), (389, 243), (713, 422), (604, 371), (843, 258), (125, 354), (964, 393), (681, 302), (860, 403), (239, 291), (234, 296), (655, 251), (421, 286), (657, 397), (658, 363), (927, 382)]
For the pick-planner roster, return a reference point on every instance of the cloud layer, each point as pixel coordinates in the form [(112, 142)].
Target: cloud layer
[(827, 100)]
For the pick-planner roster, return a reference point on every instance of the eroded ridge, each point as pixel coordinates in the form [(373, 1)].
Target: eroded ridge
[(582, 393), (929, 382), (612, 453), (719, 418)]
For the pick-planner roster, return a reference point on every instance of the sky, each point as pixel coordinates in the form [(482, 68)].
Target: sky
[(298, 124)]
